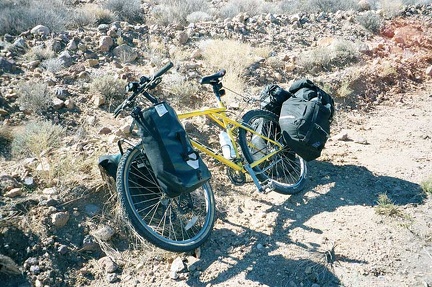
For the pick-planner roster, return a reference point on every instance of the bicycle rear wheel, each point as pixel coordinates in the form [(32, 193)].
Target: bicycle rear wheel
[(286, 170), (176, 224)]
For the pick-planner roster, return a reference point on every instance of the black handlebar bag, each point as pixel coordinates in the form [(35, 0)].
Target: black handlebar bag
[(177, 166)]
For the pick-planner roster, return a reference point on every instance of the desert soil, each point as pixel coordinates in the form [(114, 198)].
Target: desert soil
[(330, 234)]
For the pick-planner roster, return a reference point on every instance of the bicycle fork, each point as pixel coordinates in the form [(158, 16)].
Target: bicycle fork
[(261, 188)]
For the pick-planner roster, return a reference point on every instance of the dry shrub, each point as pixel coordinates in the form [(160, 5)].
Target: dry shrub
[(169, 11), (37, 137), (6, 139), (184, 92), (385, 206), (109, 86), (235, 57), (17, 16), (338, 55), (85, 15), (34, 97), (390, 8), (39, 53), (97, 14), (370, 20), (53, 65), (426, 185), (125, 10)]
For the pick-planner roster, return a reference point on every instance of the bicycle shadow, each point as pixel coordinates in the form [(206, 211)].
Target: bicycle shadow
[(329, 188)]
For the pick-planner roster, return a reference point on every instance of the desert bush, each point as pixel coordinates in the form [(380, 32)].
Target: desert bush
[(235, 57), (6, 139), (53, 65), (178, 10), (370, 20), (390, 8), (34, 97), (84, 15), (198, 16), (40, 53), (184, 92), (109, 86), (289, 6), (426, 185), (385, 206), (339, 54), (17, 16), (37, 137), (234, 7), (125, 10)]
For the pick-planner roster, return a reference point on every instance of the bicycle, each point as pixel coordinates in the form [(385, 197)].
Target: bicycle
[(183, 223)]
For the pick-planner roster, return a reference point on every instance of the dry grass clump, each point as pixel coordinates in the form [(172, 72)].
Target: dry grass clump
[(251, 7), (184, 92), (6, 139), (426, 185), (235, 58), (385, 206), (370, 20), (37, 137), (53, 65), (125, 10), (339, 54), (34, 97), (109, 86), (17, 16), (39, 53), (289, 6), (169, 11)]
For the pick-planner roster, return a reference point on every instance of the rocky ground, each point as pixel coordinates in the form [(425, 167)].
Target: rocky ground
[(337, 232)]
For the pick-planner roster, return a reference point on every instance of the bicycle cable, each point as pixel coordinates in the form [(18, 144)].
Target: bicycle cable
[(249, 99)]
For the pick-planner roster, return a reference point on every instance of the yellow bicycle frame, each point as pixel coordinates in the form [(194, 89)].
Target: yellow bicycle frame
[(218, 115)]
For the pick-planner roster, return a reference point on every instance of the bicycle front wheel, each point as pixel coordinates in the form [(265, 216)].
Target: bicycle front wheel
[(286, 170), (176, 224)]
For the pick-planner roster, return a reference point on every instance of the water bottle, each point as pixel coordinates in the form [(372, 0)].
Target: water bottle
[(226, 144)]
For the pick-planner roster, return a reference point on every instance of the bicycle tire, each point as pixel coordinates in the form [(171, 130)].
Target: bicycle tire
[(177, 224), (285, 170)]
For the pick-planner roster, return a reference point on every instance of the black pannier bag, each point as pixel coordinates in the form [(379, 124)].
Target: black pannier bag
[(305, 119), (177, 166), (272, 97)]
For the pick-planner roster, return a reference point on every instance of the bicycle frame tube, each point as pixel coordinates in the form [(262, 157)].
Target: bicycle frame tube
[(218, 115)]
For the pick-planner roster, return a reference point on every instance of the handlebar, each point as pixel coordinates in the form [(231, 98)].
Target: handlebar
[(213, 79), (142, 87), (163, 70)]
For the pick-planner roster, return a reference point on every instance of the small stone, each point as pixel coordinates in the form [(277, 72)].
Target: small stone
[(40, 30), (92, 62), (105, 131), (108, 265), (260, 246), (29, 181), (429, 71), (35, 269), (104, 233), (111, 277), (59, 219), (15, 192), (173, 275), (89, 244), (58, 104), (63, 249), (91, 209), (50, 191), (177, 265), (342, 136)]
